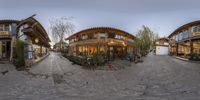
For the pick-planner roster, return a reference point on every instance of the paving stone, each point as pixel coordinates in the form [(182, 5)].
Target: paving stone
[(55, 78)]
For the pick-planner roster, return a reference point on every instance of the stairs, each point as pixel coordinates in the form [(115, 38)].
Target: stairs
[(4, 62)]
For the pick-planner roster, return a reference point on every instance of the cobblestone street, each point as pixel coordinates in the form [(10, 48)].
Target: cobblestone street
[(55, 78)]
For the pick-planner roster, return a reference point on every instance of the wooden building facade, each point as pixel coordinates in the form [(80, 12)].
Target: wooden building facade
[(36, 39), (111, 42), (185, 41), (7, 38)]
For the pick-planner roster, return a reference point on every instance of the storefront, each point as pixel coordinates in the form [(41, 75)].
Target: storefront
[(185, 41), (7, 37), (5, 49), (35, 38), (110, 42)]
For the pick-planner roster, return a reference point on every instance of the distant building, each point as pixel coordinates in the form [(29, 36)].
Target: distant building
[(161, 46), (7, 38), (185, 41), (114, 43), (56, 46)]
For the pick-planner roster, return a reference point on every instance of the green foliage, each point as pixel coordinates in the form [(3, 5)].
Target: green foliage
[(195, 57), (88, 62), (19, 61), (145, 39)]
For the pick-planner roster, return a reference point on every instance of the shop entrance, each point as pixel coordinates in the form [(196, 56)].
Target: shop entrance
[(5, 50), (116, 52)]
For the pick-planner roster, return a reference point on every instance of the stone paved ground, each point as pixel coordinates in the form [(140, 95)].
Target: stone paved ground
[(55, 78)]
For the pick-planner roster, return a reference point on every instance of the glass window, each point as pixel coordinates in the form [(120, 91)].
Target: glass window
[(194, 29), (119, 37), (7, 28), (84, 36), (94, 36), (196, 50), (102, 35), (184, 49), (92, 50)]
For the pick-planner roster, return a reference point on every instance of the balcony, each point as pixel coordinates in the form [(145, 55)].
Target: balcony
[(195, 34), (5, 34)]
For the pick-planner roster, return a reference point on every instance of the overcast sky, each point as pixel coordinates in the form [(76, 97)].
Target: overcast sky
[(162, 16)]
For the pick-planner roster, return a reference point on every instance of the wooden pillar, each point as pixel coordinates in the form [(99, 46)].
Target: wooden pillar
[(77, 50), (98, 48), (177, 47), (108, 52), (11, 49), (191, 49)]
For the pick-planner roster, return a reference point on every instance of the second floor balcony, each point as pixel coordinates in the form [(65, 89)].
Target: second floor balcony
[(5, 34)]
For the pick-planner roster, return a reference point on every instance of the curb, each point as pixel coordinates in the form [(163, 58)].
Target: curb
[(187, 60), (35, 63)]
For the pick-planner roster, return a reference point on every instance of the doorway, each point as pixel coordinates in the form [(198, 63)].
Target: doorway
[(5, 50), (116, 52)]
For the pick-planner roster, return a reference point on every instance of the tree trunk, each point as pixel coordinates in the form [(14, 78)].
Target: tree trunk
[(61, 41)]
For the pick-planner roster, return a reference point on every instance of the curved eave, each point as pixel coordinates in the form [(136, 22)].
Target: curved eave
[(184, 27), (99, 28), (31, 18), (164, 38), (9, 21)]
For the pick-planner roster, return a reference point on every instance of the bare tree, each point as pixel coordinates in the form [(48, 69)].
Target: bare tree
[(61, 27)]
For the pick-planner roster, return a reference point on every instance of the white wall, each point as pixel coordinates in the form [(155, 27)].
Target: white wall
[(162, 50)]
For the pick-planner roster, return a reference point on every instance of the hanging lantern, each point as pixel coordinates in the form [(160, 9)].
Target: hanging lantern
[(36, 40)]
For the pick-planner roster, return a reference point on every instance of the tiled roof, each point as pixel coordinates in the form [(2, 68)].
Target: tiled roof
[(9, 21), (184, 27), (94, 28)]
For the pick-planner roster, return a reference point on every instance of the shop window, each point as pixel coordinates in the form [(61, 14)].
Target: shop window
[(177, 37), (196, 29), (92, 50), (92, 36), (184, 50), (102, 50), (196, 50)]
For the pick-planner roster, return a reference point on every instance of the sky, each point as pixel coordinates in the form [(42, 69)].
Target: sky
[(161, 16)]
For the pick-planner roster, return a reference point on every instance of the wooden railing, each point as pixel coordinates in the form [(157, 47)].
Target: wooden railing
[(5, 33), (195, 34)]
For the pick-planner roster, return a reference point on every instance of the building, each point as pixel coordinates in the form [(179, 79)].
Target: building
[(7, 38), (161, 46), (36, 39), (185, 41), (112, 42), (56, 46)]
